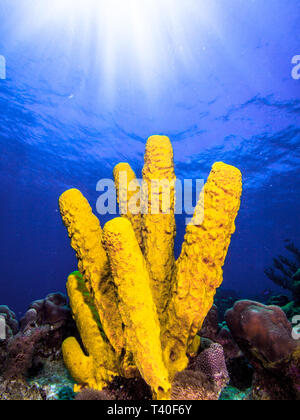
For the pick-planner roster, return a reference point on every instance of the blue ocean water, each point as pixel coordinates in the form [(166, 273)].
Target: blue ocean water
[(84, 91)]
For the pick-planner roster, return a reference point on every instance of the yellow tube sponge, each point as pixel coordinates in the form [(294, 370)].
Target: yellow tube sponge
[(140, 312), (128, 194), (86, 239), (199, 269), (99, 366), (136, 305), (159, 228)]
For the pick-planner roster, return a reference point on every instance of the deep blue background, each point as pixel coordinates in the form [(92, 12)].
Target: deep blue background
[(234, 101)]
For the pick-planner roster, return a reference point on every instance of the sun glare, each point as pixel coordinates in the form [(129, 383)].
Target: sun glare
[(141, 37)]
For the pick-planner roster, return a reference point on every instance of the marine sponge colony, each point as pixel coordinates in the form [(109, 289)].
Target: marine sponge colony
[(138, 311)]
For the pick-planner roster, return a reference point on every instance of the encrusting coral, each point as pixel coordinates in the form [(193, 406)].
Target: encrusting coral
[(137, 310), (265, 336)]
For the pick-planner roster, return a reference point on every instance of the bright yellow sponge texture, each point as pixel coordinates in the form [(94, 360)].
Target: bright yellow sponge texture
[(136, 304), (199, 269), (129, 197), (141, 310), (159, 228), (100, 366), (86, 239)]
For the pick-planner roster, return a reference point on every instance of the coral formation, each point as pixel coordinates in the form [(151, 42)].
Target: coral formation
[(53, 377), (66, 393), (138, 310), (20, 353), (264, 334), (190, 385), (44, 327), (233, 394), (286, 274), (11, 322), (93, 395), (279, 300), (11, 329), (19, 390), (265, 328), (218, 333), (240, 372), (134, 389), (53, 310), (211, 361)]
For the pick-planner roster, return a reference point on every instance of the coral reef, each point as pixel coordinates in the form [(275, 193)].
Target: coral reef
[(19, 390), (11, 322), (11, 329), (211, 361), (138, 310), (134, 389), (286, 274), (219, 333), (279, 300), (291, 310), (53, 378), (233, 394), (240, 372), (93, 395), (224, 300), (210, 328), (53, 310), (264, 334), (210, 364), (51, 383), (190, 385), (42, 330), (205, 378), (31, 366), (20, 353), (66, 394)]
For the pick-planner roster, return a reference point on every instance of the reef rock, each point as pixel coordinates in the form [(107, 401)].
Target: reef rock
[(264, 334), (19, 390), (42, 330)]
